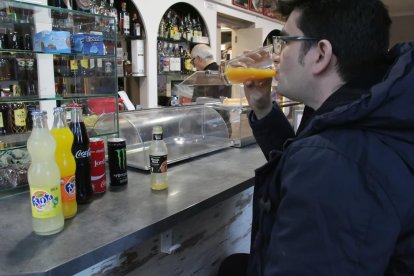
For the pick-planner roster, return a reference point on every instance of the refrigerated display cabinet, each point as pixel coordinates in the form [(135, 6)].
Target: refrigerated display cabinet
[(189, 131)]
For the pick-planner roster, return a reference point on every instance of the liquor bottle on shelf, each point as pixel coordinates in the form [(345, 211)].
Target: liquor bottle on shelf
[(158, 160), (113, 12), (171, 26), (162, 29), (94, 7), (136, 26), (63, 4), (189, 28), (99, 67), (176, 32), (84, 67), (108, 67), (188, 65), (127, 66), (175, 60), (160, 57), (182, 60), (17, 117), (5, 69), (181, 30), (124, 22), (103, 9), (92, 67), (81, 5), (74, 67), (166, 60), (4, 118)]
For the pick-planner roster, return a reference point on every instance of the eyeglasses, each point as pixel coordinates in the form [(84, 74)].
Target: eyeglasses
[(279, 42)]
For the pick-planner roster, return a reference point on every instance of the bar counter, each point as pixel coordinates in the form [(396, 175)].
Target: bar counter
[(118, 220)]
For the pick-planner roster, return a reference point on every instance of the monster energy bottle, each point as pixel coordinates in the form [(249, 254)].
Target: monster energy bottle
[(117, 162)]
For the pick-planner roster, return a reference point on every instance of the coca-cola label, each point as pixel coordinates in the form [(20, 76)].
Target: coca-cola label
[(82, 154)]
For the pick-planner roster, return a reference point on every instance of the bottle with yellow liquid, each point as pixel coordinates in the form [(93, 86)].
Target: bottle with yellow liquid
[(44, 178), (158, 160), (65, 161)]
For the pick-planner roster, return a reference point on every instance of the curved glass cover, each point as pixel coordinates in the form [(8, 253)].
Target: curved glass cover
[(188, 131)]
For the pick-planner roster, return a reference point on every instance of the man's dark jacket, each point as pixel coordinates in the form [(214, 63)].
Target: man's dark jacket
[(338, 199)]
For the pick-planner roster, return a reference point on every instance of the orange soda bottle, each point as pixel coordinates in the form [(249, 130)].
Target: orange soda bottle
[(65, 161)]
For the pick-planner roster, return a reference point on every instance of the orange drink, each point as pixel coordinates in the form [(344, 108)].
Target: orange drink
[(241, 74), (65, 161)]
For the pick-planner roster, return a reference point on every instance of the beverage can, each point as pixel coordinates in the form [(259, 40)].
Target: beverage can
[(98, 173), (117, 161)]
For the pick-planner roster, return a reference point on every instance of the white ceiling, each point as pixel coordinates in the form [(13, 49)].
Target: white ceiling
[(400, 7)]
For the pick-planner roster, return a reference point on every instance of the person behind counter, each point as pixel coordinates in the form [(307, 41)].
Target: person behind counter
[(202, 59), (337, 197)]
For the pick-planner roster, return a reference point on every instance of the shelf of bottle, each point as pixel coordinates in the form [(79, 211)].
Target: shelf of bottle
[(174, 73), (38, 8), (173, 40), (31, 52), (132, 37), (19, 140), (54, 97)]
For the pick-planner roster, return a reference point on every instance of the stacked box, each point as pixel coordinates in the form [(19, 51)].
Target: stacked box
[(88, 44), (52, 42)]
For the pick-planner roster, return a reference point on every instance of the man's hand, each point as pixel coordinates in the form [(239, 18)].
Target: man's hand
[(258, 96)]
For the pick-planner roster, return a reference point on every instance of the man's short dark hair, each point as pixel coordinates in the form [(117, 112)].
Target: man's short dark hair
[(358, 30)]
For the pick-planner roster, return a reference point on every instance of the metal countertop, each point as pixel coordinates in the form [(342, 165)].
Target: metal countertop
[(118, 220)]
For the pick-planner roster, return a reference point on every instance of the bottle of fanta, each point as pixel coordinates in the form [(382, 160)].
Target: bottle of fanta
[(44, 178), (65, 161)]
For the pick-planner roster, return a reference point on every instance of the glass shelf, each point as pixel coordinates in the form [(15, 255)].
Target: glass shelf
[(53, 74), (19, 140), (31, 52), (36, 9), (53, 97)]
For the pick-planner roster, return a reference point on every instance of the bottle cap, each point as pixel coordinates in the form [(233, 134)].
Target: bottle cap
[(38, 112), (58, 109), (157, 129), (74, 105)]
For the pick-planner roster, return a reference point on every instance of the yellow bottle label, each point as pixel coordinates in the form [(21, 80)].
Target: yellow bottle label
[(188, 65), (20, 117), (84, 63), (74, 65), (45, 202), (1, 120)]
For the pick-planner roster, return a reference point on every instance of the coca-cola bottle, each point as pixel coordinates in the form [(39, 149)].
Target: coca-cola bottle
[(81, 151)]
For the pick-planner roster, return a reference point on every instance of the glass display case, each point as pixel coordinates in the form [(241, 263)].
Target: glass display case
[(189, 131), (50, 57), (234, 109)]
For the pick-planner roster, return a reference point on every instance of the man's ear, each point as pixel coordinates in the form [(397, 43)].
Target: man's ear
[(323, 56)]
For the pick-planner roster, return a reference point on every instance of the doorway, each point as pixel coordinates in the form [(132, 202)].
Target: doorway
[(235, 36)]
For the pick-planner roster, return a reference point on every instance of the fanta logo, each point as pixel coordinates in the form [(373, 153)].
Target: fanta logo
[(82, 154), (42, 200), (70, 186)]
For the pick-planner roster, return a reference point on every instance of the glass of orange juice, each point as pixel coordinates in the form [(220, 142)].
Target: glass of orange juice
[(251, 66)]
